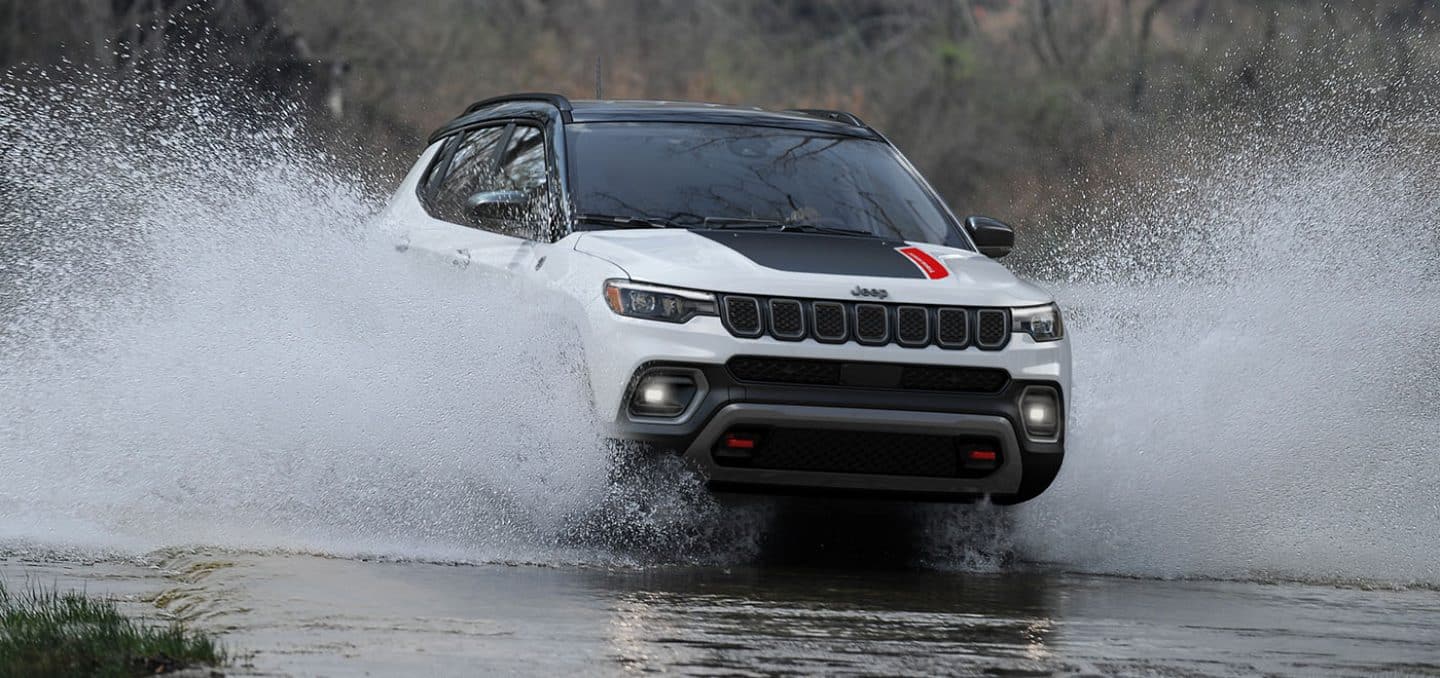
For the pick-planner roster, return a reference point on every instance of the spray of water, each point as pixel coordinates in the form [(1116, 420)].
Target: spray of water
[(206, 341), (203, 340), (1255, 361)]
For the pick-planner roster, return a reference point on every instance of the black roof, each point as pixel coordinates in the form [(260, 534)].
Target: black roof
[(585, 110), (590, 110)]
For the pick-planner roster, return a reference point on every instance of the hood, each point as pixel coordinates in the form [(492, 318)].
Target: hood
[(812, 266)]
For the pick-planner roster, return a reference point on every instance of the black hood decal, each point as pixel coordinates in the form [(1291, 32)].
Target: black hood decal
[(817, 253)]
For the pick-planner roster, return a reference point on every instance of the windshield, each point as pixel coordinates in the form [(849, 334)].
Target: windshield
[(697, 175)]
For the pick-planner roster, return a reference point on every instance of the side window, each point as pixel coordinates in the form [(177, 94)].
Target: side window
[(523, 168), (471, 171)]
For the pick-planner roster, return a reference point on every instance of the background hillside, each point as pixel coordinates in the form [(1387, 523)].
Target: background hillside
[(1011, 107)]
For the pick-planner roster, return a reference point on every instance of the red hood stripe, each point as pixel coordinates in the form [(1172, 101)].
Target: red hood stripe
[(930, 266)]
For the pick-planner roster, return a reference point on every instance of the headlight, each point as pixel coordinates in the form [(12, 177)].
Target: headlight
[(653, 302), (1041, 322)]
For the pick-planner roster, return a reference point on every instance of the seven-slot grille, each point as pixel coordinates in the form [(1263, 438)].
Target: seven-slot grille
[(872, 324)]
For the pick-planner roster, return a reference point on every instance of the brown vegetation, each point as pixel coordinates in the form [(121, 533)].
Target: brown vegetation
[(1005, 104)]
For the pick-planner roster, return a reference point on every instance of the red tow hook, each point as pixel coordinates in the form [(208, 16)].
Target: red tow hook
[(739, 441), (737, 445)]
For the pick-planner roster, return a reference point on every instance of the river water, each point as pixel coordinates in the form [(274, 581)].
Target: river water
[(222, 392), (307, 615)]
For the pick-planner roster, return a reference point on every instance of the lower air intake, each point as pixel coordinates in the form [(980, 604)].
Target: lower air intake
[(807, 372)]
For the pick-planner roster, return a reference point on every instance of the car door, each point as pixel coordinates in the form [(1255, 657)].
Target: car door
[(488, 200)]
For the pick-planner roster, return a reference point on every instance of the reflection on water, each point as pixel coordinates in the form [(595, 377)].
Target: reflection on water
[(305, 615), (816, 622), (897, 623)]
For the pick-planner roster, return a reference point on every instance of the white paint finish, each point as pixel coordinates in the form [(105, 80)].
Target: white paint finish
[(575, 268), (683, 259)]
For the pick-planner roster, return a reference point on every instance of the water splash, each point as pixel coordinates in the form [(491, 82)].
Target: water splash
[(1255, 357), (205, 341)]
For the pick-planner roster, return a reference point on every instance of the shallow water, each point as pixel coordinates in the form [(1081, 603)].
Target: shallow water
[(209, 348), (307, 615)]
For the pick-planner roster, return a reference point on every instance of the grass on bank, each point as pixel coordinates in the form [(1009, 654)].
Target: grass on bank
[(49, 633)]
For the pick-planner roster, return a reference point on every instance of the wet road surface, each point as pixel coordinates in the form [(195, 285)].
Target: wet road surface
[(307, 615)]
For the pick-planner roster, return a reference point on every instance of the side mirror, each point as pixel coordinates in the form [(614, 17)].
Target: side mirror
[(497, 204), (993, 237)]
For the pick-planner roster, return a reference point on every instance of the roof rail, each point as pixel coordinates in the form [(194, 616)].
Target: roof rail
[(837, 116), (557, 100)]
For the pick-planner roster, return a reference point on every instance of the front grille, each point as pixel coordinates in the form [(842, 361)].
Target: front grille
[(872, 324), (742, 316), (861, 452), (787, 319), (912, 325), (829, 321), (954, 331), (802, 372), (992, 329)]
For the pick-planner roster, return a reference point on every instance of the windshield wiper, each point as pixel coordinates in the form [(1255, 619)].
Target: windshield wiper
[(748, 224), (627, 222)]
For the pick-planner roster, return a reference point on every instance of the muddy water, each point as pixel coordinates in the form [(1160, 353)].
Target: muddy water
[(307, 615)]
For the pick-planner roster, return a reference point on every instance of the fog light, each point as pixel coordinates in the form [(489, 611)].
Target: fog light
[(1040, 411), (655, 395), (663, 395)]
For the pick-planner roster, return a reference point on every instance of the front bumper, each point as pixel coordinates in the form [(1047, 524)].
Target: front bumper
[(1003, 480), (729, 404)]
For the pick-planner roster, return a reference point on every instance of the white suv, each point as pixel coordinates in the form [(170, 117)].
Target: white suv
[(777, 296)]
